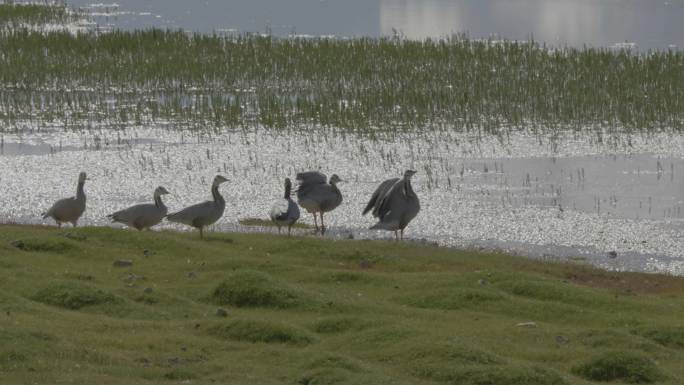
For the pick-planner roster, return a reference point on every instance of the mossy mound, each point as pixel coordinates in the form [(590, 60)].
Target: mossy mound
[(261, 331), (453, 299), (620, 366), (74, 296), (339, 325), (250, 288), (41, 245), (488, 375)]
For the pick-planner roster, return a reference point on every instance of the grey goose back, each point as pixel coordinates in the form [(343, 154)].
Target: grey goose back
[(203, 214), (395, 204), (143, 216), (285, 211), (69, 209), (317, 196)]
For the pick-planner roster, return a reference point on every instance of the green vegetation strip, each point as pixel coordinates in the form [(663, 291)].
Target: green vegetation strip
[(265, 309), (25, 14), (359, 84)]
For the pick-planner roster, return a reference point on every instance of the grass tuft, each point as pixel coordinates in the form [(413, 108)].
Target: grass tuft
[(620, 366)]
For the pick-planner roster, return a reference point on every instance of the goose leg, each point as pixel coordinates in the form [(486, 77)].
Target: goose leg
[(74, 223), (322, 224), (201, 233), (278, 230), (289, 230), (315, 221), (396, 236), (402, 234), (59, 225)]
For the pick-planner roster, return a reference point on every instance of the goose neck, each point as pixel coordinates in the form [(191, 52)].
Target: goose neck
[(217, 196)]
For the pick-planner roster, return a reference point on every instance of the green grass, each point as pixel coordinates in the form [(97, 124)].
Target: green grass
[(302, 310)]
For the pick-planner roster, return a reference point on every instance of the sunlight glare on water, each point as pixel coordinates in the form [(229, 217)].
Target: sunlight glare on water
[(571, 202)]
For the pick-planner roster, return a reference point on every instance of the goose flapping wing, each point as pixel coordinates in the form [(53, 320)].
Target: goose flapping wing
[(378, 195)]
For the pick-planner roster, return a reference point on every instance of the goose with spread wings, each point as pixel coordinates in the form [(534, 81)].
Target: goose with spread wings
[(395, 204)]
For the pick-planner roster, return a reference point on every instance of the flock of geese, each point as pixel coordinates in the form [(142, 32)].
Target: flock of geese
[(394, 204)]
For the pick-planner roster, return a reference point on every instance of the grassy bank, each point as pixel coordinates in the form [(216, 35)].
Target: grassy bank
[(358, 84), (309, 311)]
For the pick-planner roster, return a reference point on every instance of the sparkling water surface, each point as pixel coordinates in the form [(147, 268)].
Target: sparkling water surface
[(578, 200)]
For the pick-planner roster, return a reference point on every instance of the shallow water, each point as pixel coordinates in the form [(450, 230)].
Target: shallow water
[(576, 201), (646, 24)]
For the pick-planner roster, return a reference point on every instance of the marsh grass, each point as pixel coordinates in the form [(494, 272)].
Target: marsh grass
[(359, 85), (301, 310), (14, 15)]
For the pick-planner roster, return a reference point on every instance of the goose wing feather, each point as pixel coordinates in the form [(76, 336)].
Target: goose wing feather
[(308, 181), (394, 199), (66, 210), (376, 198), (195, 215), (143, 215)]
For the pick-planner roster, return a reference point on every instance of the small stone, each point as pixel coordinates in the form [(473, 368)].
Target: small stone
[(123, 263), (366, 264), (147, 253), (527, 325), (147, 290), (221, 312), (612, 254), (562, 340), (483, 282), (191, 275), (184, 349)]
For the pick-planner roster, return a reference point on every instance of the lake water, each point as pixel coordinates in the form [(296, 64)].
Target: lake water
[(580, 200), (649, 24)]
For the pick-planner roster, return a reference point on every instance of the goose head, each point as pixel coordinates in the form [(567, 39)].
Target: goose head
[(218, 179), (159, 191)]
